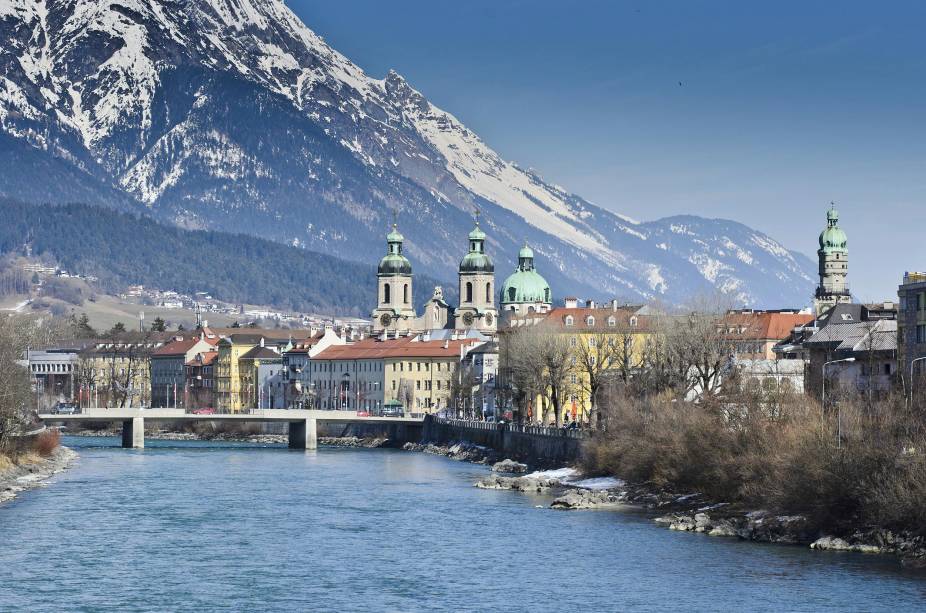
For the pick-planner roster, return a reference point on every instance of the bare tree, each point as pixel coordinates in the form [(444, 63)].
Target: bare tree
[(599, 353), (541, 359)]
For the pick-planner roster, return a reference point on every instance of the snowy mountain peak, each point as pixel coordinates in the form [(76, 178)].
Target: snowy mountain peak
[(233, 114)]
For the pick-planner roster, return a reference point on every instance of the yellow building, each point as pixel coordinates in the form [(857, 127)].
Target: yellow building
[(602, 342), (116, 373), (364, 376), (230, 396)]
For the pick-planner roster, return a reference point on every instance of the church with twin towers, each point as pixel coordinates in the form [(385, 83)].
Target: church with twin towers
[(477, 314)]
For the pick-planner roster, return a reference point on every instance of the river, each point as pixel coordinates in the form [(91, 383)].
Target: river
[(220, 526)]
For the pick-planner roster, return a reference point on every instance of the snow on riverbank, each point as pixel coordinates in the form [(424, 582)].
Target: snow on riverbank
[(573, 478)]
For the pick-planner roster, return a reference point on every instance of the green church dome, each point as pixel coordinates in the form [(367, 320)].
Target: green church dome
[(394, 263), (833, 238), (525, 285), (477, 260)]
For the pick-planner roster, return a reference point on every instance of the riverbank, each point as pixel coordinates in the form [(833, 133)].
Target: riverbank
[(33, 471), (680, 512)]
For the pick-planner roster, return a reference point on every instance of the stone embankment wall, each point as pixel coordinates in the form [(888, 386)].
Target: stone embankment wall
[(534, 445), (397, 434)]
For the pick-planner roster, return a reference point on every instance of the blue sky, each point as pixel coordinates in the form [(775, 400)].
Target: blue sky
[(781, 108)]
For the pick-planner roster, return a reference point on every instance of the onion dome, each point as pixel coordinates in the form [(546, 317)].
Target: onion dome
[(394, 263), (833, 238), (525, 285), (477, 260)]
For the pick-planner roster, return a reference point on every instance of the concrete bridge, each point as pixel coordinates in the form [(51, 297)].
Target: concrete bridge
[(303, 424)]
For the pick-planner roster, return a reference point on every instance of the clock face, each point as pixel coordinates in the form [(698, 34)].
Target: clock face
[(468, 319), (385, 319)]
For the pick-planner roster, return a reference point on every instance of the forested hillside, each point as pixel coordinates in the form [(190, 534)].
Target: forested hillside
[(122, 249)]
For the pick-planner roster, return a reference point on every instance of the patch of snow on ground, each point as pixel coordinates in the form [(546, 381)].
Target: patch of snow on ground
[(559, 473), (573, 478), (598, 483)]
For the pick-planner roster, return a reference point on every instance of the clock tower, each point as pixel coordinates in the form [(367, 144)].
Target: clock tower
[(394, 310), (477, 287)]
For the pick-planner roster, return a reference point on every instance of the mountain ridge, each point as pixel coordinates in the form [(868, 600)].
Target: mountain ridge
[(233, 115)]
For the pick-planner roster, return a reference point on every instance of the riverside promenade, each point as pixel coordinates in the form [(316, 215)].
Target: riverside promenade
[(303, 424), (536, 445)]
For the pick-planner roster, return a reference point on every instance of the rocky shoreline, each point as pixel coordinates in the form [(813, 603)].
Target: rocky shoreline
[(681, 512), (34, 474)]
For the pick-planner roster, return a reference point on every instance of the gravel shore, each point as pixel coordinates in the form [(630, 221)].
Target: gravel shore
[(33, 474)]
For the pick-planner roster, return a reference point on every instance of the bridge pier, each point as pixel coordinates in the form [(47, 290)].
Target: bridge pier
[(303, 434), (133, 433)]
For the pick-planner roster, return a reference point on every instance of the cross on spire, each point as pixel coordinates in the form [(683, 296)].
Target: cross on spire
[(395, 218), (478, 213)]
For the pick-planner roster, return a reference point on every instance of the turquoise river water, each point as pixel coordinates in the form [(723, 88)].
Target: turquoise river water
[(228, 527)]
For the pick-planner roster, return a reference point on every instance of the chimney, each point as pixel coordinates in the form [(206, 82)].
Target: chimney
[(614, 304), (590, 304), (571, 302)]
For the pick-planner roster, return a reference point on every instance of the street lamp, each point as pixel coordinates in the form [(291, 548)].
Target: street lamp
[(838, 408)]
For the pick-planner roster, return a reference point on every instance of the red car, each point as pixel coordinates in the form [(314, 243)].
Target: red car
[(207, 411)]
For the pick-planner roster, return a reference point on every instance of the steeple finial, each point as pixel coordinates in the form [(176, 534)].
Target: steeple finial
[(395, 218), (478, 213)]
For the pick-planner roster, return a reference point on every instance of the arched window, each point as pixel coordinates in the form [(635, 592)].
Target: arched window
[(611, 321), (511, 293), (469, 291), (589, 321), (569, 320), (405, 293), (387, 298), (488, 292)]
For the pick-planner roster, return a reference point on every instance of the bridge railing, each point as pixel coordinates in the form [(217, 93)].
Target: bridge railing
[(521, 428)]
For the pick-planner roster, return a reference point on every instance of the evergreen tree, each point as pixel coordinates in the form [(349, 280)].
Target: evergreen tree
[(117, 329), (158, 325), (81, 326)]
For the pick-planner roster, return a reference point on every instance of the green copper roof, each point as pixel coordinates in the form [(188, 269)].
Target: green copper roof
[(525, 285), (394, 263), (394, 236), (477, 234), (833, 239), (477, 260)]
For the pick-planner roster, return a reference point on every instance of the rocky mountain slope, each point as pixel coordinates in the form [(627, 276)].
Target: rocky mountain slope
[(233, 115)]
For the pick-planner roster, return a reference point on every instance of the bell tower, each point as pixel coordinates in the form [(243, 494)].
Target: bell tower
[(833, 257), (477, 287), (394, 310)]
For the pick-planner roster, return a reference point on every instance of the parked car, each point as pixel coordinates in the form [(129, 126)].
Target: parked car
[(66, 408), (205, 411), (393, 409)]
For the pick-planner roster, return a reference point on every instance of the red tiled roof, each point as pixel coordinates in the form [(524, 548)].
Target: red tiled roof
[(203, 359), (766, 326), (178, 347)]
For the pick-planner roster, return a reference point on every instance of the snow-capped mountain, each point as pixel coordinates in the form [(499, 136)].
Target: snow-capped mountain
[(233, 115)]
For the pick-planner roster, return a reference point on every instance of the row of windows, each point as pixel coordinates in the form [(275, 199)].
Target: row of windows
[(52, 368), (387, 294), (590, 321), (468, 292)]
